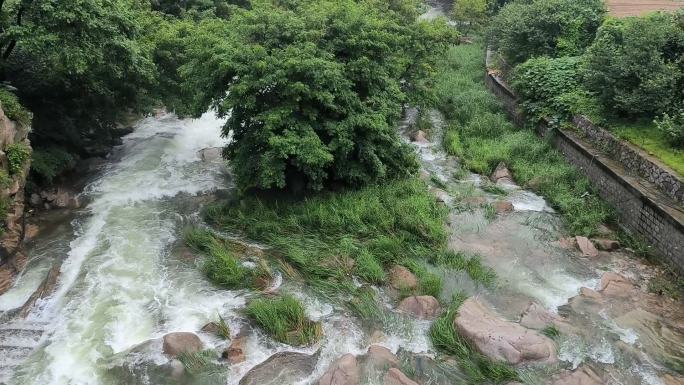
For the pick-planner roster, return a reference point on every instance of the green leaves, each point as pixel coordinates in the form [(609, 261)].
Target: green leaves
[(313, 89)]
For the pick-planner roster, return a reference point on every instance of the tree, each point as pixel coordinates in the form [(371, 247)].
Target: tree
[(524, 29), (78, 65), (470, 14), (313, 89), (636, 65)]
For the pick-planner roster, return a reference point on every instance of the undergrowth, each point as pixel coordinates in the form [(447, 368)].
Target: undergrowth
[(486, 137), (284, 320)]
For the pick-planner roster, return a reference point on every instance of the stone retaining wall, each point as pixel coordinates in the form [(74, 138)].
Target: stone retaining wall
[(658, 216)]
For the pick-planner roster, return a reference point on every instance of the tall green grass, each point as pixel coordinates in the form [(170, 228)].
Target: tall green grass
[(284, 320), (479, 132)]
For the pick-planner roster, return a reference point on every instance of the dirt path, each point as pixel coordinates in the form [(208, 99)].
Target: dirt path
[(623, 8)]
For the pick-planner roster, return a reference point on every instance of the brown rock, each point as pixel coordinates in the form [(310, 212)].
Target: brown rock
[(583, 375), (402, 278), (344, 371), (281, 369), (381, 357), (537, 317), (419, 137), (615, 285), (31, 231), (396, 377), (671, 380), (211, 328), (421, 307), (474, 201), (503, 207), (502, 174), (585, 245), (181, 342), (606, 244), (235, 353), (590, 293), (499, 339), (567, 243)]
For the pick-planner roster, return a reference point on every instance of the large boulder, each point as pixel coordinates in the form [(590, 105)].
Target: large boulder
[(419, 137), (586, 247), (379, 357), (499, 339), (281, 368), (421, 306), (343, 371), (181, 342), (583, 375), (401, 278), (615, 285), (396, 377)]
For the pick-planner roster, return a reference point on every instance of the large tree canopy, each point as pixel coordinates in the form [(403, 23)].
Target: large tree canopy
[(313, 89)]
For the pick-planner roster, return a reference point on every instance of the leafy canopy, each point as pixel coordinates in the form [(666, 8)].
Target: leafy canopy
[(524, 29), (313, 89)]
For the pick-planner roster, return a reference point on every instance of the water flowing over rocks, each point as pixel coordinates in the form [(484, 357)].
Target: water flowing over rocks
[(499, 339), (396, 377), (421, 307), (210, 154), (380, 357), (281, 368), (581, 376), (235, 352), (344, 371)]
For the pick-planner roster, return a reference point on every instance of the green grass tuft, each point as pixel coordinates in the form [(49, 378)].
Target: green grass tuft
[(551, 331), (223, 328), (284, 319)]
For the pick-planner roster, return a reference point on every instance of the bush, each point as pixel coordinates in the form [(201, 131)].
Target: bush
[(313, 89), (636, 65), (284, 319), (17, 155), (672, 128), (13, 109), (525, 29), (49, 162), (543, 82)]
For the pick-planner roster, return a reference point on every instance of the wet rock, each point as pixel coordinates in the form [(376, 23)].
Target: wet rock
[(586, 247), (441, 196), (606, 244), (583, 375), (65, 199), (402, 278), (502, 207), (615, 285), (567, 243), (35, 200), (396, 377), (419, 137), (48, 196), (590, 293), (474, 201), (499, 339), (235, 352), (501, 174), (343, 371), (181, 342), (177, 369), (211, 328), (380, 357), (31, 231), (672, 380), (421, 307), (280, 369), (537, 317), (210, 154)]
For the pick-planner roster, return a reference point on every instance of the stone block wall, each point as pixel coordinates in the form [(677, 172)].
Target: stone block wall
[(648, 198)]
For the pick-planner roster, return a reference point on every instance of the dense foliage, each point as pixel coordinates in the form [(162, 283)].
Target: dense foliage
[(471, 15), (636, 65), (313, 89), (524, 29), (672, 127)]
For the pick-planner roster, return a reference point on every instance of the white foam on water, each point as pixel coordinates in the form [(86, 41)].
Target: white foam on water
[(114, 291), (24, 286)]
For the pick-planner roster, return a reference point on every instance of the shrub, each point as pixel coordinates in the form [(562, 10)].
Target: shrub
[(17, 155), (13, 109), (49, 162), (636, 65), (543, 82), (284, 319), (525, 29), (672, 128)]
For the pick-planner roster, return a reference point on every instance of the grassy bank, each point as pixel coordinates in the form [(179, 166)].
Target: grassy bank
[(646, 135), (480, 134)]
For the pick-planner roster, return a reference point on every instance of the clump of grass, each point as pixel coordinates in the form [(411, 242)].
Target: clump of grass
[(283, 319), (472, 265), (478, 368), (551, 331), (487, 138), (438, 182), (489, 211), (199, 239), (223, 328), (199, 363), (493, 189)]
